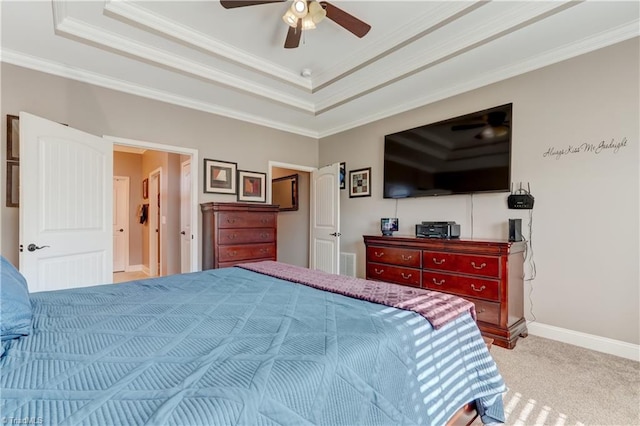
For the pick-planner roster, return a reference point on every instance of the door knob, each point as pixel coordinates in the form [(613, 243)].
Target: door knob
[(335, 234), (33, 247), (183, 233), (121, 230)]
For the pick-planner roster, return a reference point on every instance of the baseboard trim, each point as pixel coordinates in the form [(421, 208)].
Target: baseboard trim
[(133, 268), (584, 340)]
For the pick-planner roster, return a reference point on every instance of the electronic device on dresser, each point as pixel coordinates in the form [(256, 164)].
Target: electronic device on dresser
[(438, 230)]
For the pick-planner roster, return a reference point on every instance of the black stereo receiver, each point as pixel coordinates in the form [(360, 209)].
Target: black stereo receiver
[(438, 230)]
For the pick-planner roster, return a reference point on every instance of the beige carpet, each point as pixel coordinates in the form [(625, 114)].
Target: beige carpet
[(552, 383)]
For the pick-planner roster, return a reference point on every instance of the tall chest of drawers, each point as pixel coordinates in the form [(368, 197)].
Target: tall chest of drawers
[(487, 273), (234, 233)]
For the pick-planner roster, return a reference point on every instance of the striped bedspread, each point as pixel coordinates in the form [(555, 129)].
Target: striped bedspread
[(234, 347), (438, 308)]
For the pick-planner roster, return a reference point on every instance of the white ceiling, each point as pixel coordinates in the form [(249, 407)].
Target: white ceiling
[(232, 62)]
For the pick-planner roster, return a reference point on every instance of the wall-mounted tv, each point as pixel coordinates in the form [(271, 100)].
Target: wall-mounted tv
[(462, 155)]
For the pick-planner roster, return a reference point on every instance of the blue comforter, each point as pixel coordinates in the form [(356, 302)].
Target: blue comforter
[(233, 347)]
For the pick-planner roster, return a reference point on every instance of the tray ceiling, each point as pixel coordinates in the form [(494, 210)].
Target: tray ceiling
[(232, 62)]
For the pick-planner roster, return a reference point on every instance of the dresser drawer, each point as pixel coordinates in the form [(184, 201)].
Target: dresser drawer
[(486, 311), (394, 274), (461, 285), (243, 236), (238, 262), (394, 256), (246, 220), (243, 252), (487, 266)]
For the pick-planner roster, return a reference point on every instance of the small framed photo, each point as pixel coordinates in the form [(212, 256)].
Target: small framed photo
[(220, 176), (252, 186), (13, 184), (13, 137), (343, 175), (360, 183), (145, 188)]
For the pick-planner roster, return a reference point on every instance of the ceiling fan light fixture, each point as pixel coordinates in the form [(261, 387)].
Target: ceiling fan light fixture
[(317, 12), (290, 19), (307, 23), (299, 8)]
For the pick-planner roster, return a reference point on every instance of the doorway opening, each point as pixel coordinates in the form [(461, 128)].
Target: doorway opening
[(164, 199)]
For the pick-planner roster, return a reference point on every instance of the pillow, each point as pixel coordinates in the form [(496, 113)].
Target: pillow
[(15, 306)]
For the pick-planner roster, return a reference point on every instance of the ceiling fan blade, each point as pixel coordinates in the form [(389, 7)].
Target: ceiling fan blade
[(293, 36), (467, 126), (230, 4), (346, 20)]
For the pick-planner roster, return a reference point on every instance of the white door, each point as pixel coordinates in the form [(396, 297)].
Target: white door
[(325, 219), (66, 192), (155, 246), (120, 223), (185, 217)]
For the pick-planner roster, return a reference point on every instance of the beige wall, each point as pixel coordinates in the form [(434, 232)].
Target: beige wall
[(585, 227), (107, 112), (130, 165)]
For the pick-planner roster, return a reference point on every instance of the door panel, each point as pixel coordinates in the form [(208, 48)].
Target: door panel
[(325, 219), (120, 223), (185, 217), (66, 195)]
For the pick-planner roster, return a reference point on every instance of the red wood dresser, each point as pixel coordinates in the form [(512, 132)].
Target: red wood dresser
[(487, 273), (235, 233)]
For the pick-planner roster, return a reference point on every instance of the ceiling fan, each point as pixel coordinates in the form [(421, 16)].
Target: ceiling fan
[(305, 14), (493, 125)]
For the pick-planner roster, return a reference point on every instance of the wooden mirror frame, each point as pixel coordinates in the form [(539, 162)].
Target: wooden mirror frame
[(284, 192)]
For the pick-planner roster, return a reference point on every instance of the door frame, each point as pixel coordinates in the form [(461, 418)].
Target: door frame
[(127, 267), (289, 166), (156, 249), (195, 162), (182, 182)]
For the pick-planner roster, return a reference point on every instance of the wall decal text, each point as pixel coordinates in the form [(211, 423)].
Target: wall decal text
[(586, 147)]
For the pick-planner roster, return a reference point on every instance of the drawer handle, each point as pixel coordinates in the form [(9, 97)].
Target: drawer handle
[(406, 257), (264, 250), (232, 253), (264, 235), (437, 282), (405, 277), (232, 236), (478, 267), (264, 220), (481, 311), (438, 262), (378, 271), (473, 287), (376, 254), (231, 220)]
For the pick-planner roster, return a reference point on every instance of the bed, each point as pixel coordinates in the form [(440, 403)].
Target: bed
[(237, 346)]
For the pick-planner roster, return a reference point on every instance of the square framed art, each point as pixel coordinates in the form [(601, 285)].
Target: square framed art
[(220, 176), (251, 186), (360, 183)]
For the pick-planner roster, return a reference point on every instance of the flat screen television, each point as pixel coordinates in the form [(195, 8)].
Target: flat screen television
[(462, 155)]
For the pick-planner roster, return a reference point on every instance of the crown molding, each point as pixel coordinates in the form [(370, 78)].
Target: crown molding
[(568, 51), (170, 29), (500, 26), (98, 37), (84, 76)]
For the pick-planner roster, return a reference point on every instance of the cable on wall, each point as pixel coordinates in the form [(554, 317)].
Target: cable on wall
[(528, 256), (471, 213)]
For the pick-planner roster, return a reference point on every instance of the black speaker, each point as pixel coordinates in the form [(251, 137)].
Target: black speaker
[(515, 229)]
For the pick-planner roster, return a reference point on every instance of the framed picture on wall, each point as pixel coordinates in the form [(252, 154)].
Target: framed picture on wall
[(220, 176), (343, 175), (13, 137), (252, 186), (360, 183), (13, 184), (145, 188)]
